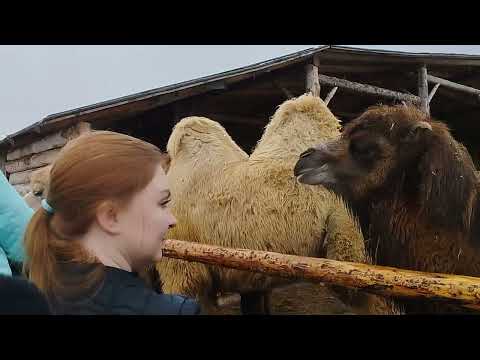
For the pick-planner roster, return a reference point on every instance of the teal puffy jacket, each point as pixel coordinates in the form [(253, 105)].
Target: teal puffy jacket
[(14, 217)]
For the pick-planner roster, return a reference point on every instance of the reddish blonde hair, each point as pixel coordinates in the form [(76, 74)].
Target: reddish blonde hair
[(93, 168)]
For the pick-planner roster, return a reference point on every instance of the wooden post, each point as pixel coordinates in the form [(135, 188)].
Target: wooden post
[(330, 95), (312, 84), (387, 281), (423, 89), (432, 93)]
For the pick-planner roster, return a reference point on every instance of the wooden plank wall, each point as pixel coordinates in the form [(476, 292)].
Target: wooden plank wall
[(22, 162)]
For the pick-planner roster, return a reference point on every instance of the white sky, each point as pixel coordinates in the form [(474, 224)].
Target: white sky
[(39, 80)]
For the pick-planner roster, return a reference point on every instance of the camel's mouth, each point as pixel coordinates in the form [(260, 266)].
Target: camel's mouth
[(315, 176), (313, 170)]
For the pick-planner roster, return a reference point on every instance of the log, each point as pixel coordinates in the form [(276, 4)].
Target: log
[(386, 281), (52, 141), (330, 95), (453, 85), (367, 89), (32, 161), (312, 84), (432, 93), (423, 89)]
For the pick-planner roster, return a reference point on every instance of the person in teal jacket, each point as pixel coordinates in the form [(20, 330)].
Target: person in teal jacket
[(14, 217)]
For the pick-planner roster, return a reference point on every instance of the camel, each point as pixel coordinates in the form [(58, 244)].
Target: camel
[(222, 196), (413, 186)]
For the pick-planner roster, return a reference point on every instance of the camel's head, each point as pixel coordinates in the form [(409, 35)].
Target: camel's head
[(373, 151)]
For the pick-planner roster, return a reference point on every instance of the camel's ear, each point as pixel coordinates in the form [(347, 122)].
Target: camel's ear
[(418, 132)]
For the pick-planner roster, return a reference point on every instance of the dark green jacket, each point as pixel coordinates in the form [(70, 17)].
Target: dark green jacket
[(124, 293)]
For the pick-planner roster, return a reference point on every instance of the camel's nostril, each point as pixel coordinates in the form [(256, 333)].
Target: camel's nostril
[(38, 193), (307, 152)]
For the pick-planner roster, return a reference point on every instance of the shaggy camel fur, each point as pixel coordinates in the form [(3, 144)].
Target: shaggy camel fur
[(221, 196), (413, 186)]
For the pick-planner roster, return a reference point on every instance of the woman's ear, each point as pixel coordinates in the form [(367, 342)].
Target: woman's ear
[(107, 217)]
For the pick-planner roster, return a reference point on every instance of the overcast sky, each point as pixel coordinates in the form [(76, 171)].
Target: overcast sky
[(37, 81)]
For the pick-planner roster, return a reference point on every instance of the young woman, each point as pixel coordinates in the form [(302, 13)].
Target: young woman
[(104, 220)]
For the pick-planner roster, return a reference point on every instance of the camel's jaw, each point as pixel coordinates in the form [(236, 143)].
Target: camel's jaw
[(315, 176), (313, 169)]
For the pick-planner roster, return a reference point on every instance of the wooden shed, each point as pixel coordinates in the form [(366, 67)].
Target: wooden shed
[(244, 99)]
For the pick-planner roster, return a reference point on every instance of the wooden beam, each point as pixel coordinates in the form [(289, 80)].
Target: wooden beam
[(432, 93), (386, 281), (22, 177), (452, 85), (51, 141), (367, 89), (32, 161), (423, 89), (312, 84), (330, 95), (218, 85), (459, 97)]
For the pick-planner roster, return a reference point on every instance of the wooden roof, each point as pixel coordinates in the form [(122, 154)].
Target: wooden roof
[(390, 69)]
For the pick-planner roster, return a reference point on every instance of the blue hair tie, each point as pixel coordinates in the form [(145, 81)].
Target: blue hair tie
[(47, 207)]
